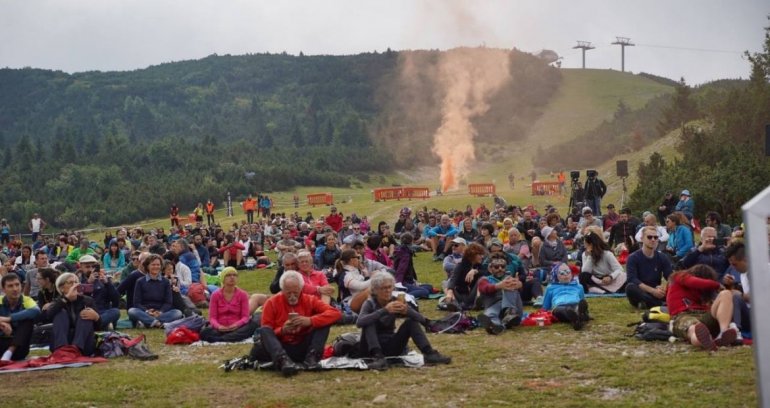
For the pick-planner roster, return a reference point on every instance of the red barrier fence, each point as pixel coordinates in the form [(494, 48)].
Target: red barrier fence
[(545, 188), (416, 192), (481, 190), (397, 193), (320, 199)]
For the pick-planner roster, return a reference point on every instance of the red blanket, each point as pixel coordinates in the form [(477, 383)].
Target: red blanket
[(62, 355)]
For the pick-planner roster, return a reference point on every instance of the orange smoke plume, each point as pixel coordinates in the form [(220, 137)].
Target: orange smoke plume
[(447, 175), (469, 76)]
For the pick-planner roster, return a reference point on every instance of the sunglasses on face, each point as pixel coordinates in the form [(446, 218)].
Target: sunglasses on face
[(564, 273), (496, 266), (653, 237)]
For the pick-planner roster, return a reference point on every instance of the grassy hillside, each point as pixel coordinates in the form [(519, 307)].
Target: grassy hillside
[(585, 99)]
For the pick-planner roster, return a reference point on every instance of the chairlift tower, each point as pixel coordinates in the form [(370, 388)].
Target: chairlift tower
[(623, 42), (584, 45)]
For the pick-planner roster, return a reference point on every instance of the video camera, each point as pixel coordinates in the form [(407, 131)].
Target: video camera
[(574, 175)]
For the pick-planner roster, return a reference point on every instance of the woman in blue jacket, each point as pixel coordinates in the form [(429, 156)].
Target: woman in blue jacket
[(680, 237)]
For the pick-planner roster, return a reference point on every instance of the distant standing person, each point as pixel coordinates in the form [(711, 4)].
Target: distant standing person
[(198, 211), (174, 214), (36, 226), (266, 204), (5, 232), (594, 189), (248, 207), (210, 213)]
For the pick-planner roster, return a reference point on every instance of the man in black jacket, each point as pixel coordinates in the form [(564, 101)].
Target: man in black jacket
[(624, 228), (595, 189)]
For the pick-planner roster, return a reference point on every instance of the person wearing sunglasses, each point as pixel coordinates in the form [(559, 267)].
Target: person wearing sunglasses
[(646, 269), (499, 294), (565, 298)]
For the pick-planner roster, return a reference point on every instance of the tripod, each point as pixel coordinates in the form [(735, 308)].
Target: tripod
[(576, 195), (623, 196)]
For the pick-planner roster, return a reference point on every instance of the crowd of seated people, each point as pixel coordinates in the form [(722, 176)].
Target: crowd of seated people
[(496, 260)]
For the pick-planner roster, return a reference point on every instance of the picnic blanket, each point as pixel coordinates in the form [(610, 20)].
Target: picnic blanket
[(201, 343), (65, 356)]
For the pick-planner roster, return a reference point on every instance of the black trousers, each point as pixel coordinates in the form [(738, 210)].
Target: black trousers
[(80, 336), (315, 342), (636, 295), (394, 344), (213, 335), (20, 339)]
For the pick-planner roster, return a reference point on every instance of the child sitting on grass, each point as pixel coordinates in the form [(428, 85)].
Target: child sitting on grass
[(565, 299)]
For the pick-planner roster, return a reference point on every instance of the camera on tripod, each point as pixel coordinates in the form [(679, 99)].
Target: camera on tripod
[(574, 175)]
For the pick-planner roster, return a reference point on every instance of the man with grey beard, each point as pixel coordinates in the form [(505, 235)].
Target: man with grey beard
[(295, 327)]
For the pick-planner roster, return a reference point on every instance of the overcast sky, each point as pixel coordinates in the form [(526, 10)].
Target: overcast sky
[(700, 40)]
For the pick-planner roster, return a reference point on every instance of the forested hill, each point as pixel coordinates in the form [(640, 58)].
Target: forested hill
[(112, 147)]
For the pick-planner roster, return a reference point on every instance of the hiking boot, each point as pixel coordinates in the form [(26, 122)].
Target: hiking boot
[(441, 257), (583, 311), (489, 326), (703, 335), (511, 319), (311, 361), (727, 337), (287, 366), (434, 357), (574, 319), (378, 363)]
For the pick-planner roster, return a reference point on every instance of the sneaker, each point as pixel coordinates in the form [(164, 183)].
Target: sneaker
[(703, 335), (489, 326), (441, 257), (727, 337), (511, 319), (378, 363), (435, 258), (538, 301), (435, 357), (574, 319)]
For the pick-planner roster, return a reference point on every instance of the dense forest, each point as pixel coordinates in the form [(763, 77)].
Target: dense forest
[(113, 147), (724, 162)]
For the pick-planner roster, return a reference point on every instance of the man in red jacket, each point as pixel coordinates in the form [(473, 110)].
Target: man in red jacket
[(295, 327), (334, 220)]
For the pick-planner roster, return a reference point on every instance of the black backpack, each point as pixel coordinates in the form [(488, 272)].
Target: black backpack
[(652, 331)]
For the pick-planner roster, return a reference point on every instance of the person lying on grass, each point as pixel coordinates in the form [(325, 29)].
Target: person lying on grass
[(565, 298), (701, 308)]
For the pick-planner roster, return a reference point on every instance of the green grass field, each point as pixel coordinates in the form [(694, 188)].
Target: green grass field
[(552, 366)]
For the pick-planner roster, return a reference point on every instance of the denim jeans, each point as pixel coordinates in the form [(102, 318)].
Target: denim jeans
[(109, 316), (169, 316), (510, 299)]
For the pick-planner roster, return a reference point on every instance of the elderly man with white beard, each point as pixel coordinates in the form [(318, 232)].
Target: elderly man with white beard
[(295, 327)]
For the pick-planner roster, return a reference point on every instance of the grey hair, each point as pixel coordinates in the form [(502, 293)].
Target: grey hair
[(304, 254), (707, 229), (288, 256), (63, 278), (379, 279), (287, 275)]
